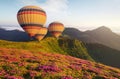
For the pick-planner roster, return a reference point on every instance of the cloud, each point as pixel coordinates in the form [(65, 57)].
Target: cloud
[(55, 9), (55, 5)]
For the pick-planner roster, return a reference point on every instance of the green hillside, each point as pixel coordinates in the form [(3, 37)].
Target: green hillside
[(104, 54), (74, 48), (23, 64), (50, 59), (64, 46)]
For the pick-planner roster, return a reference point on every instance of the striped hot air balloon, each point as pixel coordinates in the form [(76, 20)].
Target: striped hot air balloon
[(56, 29), (31, 18), (41, 33)]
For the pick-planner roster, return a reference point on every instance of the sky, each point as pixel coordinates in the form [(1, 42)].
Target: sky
[(81, 14)]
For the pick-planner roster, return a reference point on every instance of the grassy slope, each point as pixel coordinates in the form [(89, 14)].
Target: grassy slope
[(49, 59), (46, 45), (74, 48), (104, 54), (63, 46), (20, 64)]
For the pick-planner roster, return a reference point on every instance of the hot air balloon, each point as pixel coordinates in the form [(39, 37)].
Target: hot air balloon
[(56, 29), (41, 33), (31, 18)]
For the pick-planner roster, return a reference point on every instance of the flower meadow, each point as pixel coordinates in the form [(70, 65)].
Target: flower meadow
[(23, 64)]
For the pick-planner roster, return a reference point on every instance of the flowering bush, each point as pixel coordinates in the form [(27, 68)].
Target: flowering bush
[(48, 68), (21, 64), (66, 77)]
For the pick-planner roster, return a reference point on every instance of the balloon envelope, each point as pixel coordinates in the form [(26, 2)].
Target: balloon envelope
[(31, 18), (41, 33), (56, 29)]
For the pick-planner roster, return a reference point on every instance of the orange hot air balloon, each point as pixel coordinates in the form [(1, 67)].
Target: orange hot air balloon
[(41, 33), (31, 18), (56, 29)]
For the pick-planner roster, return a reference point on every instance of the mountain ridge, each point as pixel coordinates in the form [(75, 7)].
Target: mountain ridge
[(103, 29), (104, 54), (98, 51), (13, 35), (102, 35)]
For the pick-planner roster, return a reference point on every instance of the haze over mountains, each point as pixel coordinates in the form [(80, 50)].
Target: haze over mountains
[(13, 35), (118, 33), (102, 44), (101, 35), (11, 27)]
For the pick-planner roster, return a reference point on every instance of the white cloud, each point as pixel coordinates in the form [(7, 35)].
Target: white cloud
[(55, 5), (55, 9)]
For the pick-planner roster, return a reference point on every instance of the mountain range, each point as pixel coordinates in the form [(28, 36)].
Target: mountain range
[(13, 35), (102, 44), (101, 35)]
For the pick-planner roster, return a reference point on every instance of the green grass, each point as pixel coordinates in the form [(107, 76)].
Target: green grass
[(51, 45), (22, 64), (74, 48), (46, 45), (104, 54), (44, 60)]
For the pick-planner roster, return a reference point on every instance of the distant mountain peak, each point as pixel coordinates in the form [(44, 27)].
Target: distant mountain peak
[(102, 35), (103, 29)]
